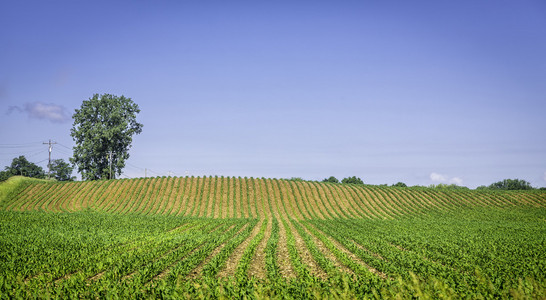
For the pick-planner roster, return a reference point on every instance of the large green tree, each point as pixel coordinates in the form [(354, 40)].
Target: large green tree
[(103, 131), (61, 170)]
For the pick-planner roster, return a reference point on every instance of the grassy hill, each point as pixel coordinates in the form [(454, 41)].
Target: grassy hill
[(225, 237), (230, 197)]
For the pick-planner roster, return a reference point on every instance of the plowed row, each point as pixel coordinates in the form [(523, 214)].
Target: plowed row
[(183, 237), (91, 252), (229, 197)]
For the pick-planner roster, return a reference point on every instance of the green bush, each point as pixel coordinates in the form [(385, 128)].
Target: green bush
[(331, 179), (352, 180), (511, 184)]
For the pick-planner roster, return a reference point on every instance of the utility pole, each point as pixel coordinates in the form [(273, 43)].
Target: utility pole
[(110, 163), (49, 162), (145, 172)]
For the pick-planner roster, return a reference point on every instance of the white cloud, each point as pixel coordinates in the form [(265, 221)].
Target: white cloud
[(456, 180), (544, 176), (439, 178), (43, 111)]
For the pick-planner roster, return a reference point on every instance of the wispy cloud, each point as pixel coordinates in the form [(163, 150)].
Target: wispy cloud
[(445, 179), (545, 176), (43, 111)]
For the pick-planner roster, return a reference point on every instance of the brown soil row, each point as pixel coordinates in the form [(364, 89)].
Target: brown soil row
[(283, 257), (230, 197), (197, 272), (232, 262), (328, 254), (352, 256), (305, 255), (257, 266)]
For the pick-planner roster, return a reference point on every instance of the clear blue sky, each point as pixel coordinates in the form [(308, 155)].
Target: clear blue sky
[(416, 91)]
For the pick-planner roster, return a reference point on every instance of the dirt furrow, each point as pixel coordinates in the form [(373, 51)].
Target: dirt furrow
[(327, 253), (305, 255), (283, 257), (257, 266), (232, 262), (352, 256)]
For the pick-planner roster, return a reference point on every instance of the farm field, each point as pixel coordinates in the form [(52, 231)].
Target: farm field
[(244, 237)]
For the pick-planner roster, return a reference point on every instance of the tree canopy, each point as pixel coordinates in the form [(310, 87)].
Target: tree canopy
[(21, 166), (103, 131), (353, 180), (331, 179), (61, 170), (445, 186), (510, 184)]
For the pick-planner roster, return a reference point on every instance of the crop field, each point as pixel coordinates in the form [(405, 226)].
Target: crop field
[(225, 237)]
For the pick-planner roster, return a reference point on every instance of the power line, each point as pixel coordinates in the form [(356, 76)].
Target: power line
[(63, 152), (41, 161), (20, 145), (154, 172), (131, 165), (32, 152), (65, 146)]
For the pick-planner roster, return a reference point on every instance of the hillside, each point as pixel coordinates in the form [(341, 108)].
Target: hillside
[(220, 237), (229, 197)]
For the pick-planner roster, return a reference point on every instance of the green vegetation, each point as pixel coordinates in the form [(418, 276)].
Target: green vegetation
[(20, 166), (61, 170), (103, 131), (330, 179), (447, 186), (509, 185), (352, 180), (220, 237), (14, 184)]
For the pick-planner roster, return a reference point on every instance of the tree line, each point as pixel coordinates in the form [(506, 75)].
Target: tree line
[(506, 184), (20, 166)]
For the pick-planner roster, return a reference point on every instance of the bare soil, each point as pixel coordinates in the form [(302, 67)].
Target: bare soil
[(257, 266), (232, 262)]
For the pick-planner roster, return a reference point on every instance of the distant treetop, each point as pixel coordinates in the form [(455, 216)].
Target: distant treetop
[(353, 180), (331, 179), (510, 184)]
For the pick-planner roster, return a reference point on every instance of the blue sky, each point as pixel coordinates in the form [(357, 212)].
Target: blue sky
[(423, 92)]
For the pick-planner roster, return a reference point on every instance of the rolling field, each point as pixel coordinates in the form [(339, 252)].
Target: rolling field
[(202, 237)]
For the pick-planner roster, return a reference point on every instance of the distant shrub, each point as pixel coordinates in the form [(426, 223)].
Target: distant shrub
[(296, 179), (400, 184), (443, 186), (331, 179), (511, 184), (352, 180), (4, 175)]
